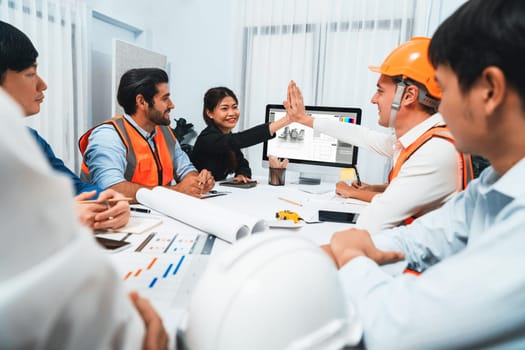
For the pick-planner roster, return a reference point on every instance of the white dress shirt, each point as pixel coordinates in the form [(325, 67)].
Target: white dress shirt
[(471, 294), (426, 180), (57, 288)]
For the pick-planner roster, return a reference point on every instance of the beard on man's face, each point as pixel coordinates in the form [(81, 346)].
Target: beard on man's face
[(158, 117)]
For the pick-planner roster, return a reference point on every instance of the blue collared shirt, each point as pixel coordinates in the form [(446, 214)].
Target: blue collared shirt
[(105, 156), (58, 165), (472, 291)]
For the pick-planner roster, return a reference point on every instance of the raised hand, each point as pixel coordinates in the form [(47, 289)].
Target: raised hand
[(294, 105)]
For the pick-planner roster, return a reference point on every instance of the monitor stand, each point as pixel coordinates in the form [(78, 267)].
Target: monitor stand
[(309, 179)]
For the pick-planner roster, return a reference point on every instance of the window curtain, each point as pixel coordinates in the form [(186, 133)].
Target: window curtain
[(57, 28), (326, 47)]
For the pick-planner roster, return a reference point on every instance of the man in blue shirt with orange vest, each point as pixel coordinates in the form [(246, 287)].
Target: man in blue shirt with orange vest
[(139, 149)]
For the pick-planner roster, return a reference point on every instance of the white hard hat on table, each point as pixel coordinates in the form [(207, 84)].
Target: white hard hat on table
[(270, 291)]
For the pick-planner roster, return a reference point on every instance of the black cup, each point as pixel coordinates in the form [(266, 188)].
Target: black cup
[(277, 176)]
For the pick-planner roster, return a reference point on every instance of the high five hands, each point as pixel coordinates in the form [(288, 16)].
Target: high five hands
[(294, 105)]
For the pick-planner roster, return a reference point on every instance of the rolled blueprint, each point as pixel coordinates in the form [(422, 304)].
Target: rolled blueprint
[(225, 224)]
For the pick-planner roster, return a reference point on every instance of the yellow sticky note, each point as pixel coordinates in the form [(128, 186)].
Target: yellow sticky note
[(347, 174)]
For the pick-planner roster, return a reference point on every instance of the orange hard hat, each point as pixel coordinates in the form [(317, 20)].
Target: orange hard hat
[(410, 60)]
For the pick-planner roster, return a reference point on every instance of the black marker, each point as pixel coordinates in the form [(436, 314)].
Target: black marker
[(140, 210)]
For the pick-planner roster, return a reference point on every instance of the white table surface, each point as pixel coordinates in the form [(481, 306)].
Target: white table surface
[(262, 202)]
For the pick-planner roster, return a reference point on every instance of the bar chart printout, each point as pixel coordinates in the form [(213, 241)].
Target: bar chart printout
[(165, 268)]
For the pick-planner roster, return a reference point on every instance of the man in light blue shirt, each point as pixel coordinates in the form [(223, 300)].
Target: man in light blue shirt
[(139, 149), (106, 137), (471, 293)]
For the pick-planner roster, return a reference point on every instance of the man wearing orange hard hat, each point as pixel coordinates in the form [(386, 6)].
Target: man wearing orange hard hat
[(408, 65), (427, 170)]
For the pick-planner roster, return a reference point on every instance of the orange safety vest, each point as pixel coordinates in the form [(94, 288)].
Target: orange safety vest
[(144, 165), (466, 169)]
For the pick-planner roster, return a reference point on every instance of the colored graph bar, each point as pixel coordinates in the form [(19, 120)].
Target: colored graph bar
[(208, 246), (153, 282), (171, 242), (167, 271), (152, 263), (178, 265), (193, 245), (145, 242)]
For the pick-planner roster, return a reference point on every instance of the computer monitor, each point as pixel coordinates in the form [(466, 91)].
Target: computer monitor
[(302, 145)]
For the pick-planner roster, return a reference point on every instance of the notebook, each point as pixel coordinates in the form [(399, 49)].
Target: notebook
[(139, 225)]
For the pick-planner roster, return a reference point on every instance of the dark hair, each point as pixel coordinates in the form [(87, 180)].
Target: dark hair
[(480, 34), (139, 81), (212, 97), (16, 50)]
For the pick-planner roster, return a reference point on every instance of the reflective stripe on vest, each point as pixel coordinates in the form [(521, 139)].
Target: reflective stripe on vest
[(465, 160), (144, 165)]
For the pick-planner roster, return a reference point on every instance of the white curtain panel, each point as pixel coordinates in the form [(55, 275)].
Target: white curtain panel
[(57, 29), (326, 46)]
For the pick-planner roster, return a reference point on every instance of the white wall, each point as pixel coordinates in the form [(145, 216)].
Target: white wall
[(131, 12), (197, 37), (439, 11)]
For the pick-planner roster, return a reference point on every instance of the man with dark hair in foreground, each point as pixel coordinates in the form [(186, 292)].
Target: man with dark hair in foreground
[(20, 79)]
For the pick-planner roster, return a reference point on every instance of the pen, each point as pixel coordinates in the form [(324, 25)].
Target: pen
[(140, 210), (290, 201), (357, 175), (111, 200)]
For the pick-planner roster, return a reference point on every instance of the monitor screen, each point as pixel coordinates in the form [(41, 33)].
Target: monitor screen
[(301, 144)]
